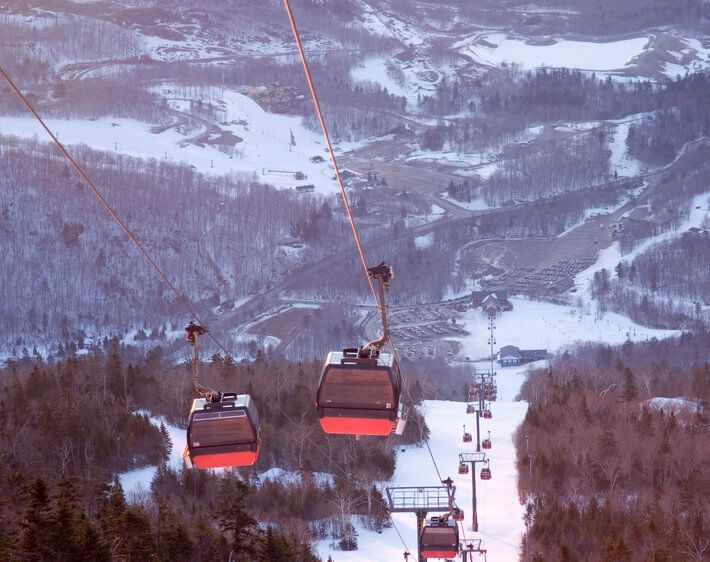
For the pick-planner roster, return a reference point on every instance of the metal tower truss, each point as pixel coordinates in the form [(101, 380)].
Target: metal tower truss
[(415, 499)]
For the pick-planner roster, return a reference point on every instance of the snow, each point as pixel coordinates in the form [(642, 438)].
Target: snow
[(380, 23), (610, 257), (374, 69), (671, 404), (425, 241), (435, 213), (577, 126), (289, 477), (139, 479), (265, 147), (499, 512), (543, 325), (497, 48), (478, 203), (531, 324), (621, 161)]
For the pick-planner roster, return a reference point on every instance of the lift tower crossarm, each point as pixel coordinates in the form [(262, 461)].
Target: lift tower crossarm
[(419, 500)]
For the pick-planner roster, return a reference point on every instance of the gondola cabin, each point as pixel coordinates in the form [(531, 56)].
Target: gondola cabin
[(470, 409), (467, 437), (359, 393), (439, 538), (486, 473), (463, 468), (487, 414), (223, 432), (486, 444)]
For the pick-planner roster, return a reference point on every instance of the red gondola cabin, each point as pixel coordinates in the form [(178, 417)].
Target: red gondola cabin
[(359, 393), (439, 538), (223, 433)]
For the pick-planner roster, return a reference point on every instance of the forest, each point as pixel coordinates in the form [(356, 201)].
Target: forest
[(665, 287), (68, 426), (609, 470)]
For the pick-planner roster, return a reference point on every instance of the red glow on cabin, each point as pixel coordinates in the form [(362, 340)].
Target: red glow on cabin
[(356, 426)]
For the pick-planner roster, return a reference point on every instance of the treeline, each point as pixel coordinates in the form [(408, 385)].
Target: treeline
[(54, 40), (507, 101), (671, 199), (68, 426), (607, 475), (665, 287), (559, 167), (576, 16)]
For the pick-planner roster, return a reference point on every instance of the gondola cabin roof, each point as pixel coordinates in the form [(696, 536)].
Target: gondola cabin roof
[(359, 395), (223, 434)]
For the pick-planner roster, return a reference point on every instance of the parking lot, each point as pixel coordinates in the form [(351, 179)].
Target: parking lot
[(530, 280), (421, 332)]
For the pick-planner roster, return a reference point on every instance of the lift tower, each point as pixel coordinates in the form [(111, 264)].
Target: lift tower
[(420, 500)]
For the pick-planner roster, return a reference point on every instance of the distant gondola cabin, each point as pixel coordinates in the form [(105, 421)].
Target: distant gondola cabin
[(223, 433)]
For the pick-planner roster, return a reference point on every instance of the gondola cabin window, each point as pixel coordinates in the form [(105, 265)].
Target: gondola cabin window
[(358, 388), (211, 429)]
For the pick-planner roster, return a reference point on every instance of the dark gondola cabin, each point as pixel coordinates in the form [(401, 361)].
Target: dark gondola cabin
[(470, 409), (467, 437), (487, 414), (223, 432), (359, 393), (486, 473), (486, 444), (439, 538), (463, 468)]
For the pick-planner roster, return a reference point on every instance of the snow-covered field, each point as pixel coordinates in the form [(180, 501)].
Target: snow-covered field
[(266, 151), (542, 325), (378, 70), (496, 49)]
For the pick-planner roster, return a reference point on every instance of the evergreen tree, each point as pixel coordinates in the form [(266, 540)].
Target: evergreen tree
[(629, 391), (276, 547), (33, 545), (234, 520)]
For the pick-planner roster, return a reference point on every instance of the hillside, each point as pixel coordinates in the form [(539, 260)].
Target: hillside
[(535, 174)]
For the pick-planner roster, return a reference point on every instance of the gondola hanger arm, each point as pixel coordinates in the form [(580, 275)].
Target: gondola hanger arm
[(382, 273)]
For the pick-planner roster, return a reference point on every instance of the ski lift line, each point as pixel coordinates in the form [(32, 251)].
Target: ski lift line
[(401, 538), (326, 136), (132, 237), (408, 391)]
